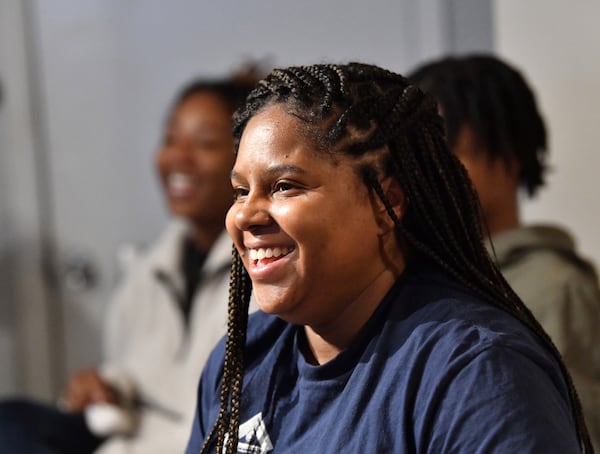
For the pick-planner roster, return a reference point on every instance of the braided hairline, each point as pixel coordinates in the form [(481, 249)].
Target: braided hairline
[(459, 250)]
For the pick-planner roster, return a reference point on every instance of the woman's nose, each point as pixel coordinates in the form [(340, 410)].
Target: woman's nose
[(180, 150), (251, 214)]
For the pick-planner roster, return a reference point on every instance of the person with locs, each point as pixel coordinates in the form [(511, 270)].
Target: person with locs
[(495, 128)]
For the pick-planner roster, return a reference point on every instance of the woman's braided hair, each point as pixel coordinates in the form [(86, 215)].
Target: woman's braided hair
[(356, 109)]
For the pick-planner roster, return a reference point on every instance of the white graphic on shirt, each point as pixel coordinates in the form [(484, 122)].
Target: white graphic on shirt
[(253, 437)]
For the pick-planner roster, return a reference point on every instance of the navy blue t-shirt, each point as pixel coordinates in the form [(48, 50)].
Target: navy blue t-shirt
[(435, 370)]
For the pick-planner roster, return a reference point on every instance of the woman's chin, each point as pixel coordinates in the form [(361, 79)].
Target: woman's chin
[(270, 307)]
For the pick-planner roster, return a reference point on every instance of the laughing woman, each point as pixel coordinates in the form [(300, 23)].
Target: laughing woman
[(385, 326)]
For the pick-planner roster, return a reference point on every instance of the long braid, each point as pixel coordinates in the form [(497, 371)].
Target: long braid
[(225, 427), (361, 110), (519, 310)]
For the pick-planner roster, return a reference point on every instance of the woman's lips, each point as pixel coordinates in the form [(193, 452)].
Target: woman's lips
[(181, 185), (263, 261)]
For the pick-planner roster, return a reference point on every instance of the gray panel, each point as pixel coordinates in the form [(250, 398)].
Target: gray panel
[(25, 358)]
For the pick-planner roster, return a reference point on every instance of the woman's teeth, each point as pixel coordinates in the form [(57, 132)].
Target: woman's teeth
[(179, 181), (261, 253)]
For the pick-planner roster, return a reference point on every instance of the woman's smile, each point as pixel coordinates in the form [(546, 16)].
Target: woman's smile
[(265, 263), (296, 211), (264, 254)]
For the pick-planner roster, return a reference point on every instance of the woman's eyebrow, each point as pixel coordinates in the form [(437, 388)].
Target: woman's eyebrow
[(284, 168), (274, 170)]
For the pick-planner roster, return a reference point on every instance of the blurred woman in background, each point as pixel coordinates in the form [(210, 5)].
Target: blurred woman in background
[(169, 311)]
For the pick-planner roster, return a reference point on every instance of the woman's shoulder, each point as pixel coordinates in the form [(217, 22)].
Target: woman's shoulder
[(434, 309), (449, 332), (262, 334)]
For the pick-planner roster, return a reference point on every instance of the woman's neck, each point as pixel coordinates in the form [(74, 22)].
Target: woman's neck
[(327, 340), (502, 218)]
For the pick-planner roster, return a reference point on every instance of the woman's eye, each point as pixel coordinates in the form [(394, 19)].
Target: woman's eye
[(239, 192), (283, 186), (207, 144)]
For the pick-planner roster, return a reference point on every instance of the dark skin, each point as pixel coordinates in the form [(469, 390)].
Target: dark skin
[(289, 198), (87, 387), (194, 164), (495, 180)]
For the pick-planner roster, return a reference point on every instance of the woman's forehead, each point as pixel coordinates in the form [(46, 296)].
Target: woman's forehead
[(273, 129)]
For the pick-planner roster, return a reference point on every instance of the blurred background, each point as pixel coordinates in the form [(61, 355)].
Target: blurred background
[(86, 85)]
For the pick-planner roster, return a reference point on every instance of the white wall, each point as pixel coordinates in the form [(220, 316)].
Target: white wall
[(88, 83), (557, 45)]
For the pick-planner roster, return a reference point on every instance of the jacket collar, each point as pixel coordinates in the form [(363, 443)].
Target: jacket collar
[(531, 237), (166, 255), (513, 245)]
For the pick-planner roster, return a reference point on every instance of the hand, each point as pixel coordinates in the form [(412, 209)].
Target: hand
[(87, 387)]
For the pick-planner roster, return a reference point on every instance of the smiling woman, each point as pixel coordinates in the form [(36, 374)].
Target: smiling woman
[(195, 159), (169, 310), (315, 208), (385, 325)]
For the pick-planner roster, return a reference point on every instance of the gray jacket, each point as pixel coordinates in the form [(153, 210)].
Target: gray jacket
[(149, 350), (561, 289)]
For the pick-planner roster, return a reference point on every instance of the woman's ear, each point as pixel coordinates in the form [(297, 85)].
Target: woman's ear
[(398, 200)]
